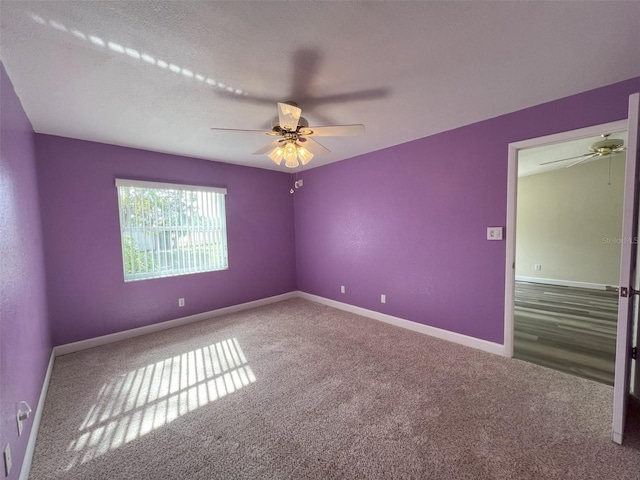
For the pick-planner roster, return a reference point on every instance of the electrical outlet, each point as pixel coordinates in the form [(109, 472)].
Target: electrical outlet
[(383, 298), (181, 302), (7, 459), (538, 267), (342, 290)]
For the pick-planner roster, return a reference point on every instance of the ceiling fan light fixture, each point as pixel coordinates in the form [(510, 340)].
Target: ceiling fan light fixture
[(291, 155), (291, 163), (277, 154), (304, 155)]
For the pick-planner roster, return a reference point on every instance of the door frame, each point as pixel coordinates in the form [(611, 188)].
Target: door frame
[(627, 310), (512, 194)]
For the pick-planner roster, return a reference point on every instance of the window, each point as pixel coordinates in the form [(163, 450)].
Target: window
[(168, 229)]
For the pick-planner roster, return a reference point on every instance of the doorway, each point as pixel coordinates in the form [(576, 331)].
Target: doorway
[(627, 377), (567, 260), (540, 276)]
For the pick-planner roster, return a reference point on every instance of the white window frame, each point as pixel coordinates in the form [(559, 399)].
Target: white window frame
[(158, 242)]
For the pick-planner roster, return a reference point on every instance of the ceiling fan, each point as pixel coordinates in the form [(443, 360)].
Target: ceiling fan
[(602, 148), (294, 144)]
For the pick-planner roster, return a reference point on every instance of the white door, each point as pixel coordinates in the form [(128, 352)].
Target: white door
[(629, 261)]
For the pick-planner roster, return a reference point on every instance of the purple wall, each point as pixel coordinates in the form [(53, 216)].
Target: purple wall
[(86, 291), (25, 346), (410, 221)]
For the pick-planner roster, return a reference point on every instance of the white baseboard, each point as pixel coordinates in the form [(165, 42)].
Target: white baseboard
[(156, 327), (459, 338), (35, 425), (565, 283)]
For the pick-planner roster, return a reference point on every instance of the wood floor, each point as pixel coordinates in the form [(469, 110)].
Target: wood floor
[(566, 328)]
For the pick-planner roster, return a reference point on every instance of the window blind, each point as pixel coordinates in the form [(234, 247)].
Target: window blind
[(171, 229)]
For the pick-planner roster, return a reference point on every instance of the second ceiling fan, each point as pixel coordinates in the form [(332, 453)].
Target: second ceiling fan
[(603, 148)]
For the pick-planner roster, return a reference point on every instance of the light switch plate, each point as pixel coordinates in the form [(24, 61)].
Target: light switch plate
[(494, 233)]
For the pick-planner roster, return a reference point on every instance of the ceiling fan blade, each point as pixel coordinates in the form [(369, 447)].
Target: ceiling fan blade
[(370, 94), (306, 63), (267, 147), (334, 131), (246, 97), (313, 146), (569, 158), (583, 160), (288, 116), (236, 130)]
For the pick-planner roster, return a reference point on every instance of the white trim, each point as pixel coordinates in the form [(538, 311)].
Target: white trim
[(35, 425), (512, 191), (566, 283), (156, 327), (617, 438), (123, 182), (409, 325), (628, 258), (510, 248)]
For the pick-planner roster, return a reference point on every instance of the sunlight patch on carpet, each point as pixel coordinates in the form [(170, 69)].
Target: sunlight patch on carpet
[(143, 400)]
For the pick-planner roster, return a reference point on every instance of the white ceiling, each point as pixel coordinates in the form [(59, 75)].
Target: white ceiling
[(158, 75)]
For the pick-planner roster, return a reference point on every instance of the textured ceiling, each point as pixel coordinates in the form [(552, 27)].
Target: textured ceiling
[(158, 75)]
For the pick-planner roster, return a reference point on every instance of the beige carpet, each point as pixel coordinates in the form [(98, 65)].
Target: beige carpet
[(297, 390)]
